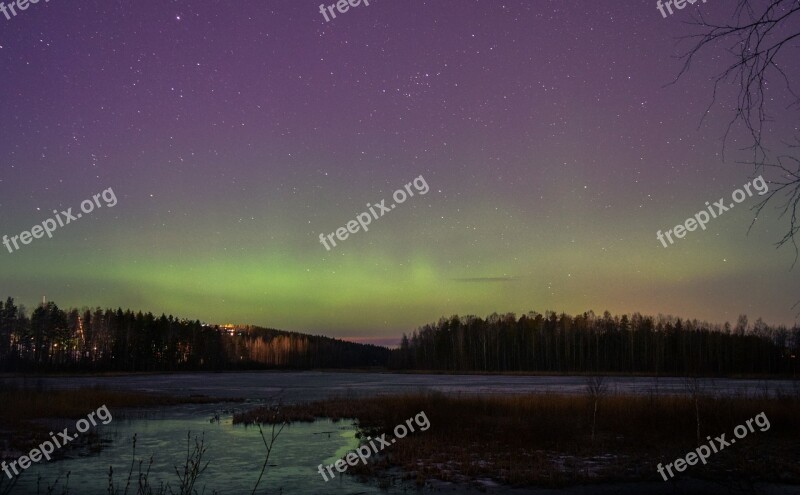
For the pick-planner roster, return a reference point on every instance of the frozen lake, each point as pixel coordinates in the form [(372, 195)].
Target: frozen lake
[(310, 385)]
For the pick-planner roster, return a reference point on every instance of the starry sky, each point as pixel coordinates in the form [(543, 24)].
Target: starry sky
[(234, 133)]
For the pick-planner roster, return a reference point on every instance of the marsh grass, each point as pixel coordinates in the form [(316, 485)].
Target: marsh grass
[(27, 414), (26, 403), (546, 439)]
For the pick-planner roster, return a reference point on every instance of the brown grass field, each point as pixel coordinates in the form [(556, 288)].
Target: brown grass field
[(27, 414), (546, 439)]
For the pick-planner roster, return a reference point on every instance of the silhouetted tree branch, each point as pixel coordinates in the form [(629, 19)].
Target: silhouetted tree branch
[(758, 38)]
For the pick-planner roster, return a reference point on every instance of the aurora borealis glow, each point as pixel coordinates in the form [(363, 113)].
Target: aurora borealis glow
[(235, 133)]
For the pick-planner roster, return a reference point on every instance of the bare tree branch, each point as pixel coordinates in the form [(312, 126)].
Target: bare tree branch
[(758, 37)]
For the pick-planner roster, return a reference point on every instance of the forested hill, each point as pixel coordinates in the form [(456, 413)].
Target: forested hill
[(588, 343), (52, 339)]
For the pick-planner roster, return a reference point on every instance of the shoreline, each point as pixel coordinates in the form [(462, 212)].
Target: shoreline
[(776, 377)]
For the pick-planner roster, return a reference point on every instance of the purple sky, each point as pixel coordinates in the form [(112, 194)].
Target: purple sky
[(235, 133)]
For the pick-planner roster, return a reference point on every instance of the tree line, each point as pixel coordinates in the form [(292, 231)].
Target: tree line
[(553, 342), (52, 339)]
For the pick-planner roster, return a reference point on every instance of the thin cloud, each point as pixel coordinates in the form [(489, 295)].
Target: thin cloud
[(485, 279)]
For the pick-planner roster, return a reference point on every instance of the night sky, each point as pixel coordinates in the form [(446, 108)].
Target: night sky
[(234, 133)]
